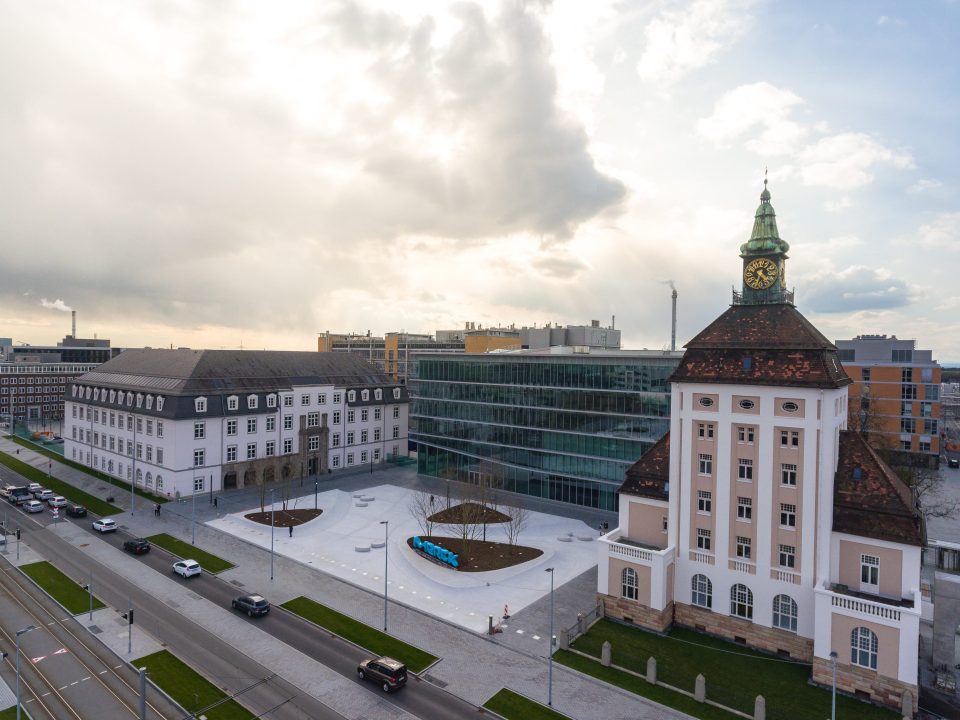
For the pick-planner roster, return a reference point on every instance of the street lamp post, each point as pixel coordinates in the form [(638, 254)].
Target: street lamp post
[(386, 549), (316, 489), (271, 533), (24, 631), (833, 697), (550, 646), (193, 515)]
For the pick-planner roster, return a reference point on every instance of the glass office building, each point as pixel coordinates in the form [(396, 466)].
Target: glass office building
[(556, 424)]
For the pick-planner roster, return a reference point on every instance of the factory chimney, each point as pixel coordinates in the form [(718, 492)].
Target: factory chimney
[(73, 323), (673, 320)]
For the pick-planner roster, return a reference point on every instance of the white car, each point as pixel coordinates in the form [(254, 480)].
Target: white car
[(187, 568), (105, 525), (57, 501), (32, 506), (46, 495)]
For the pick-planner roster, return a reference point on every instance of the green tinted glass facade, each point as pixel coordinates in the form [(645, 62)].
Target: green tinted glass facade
[(564, 427)]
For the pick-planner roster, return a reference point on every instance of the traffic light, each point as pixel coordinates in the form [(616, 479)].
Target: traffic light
[(128, 616), (18, 534)]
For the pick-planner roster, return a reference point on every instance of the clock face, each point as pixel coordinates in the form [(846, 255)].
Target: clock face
[(760, 274)]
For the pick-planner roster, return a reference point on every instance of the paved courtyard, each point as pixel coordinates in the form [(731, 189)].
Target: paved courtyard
[(330, 544)]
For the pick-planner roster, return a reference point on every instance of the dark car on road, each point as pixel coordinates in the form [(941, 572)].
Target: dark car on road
[(252, 605), (138, 546), (953, 462), (74, 510), (388, 673)]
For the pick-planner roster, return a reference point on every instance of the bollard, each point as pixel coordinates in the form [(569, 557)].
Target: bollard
[(490, 624), (759, 708), (605, 654), (581, 623), (564, 639), (652, 670), (700, 689)]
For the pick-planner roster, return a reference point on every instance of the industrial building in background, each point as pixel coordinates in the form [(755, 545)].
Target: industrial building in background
[(33, 378), (561, 422), (392, 353), (895, 398)]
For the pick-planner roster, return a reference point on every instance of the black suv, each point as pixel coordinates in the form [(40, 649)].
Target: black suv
[(74, 510), (252, 605), (389, 673), (138, 546)]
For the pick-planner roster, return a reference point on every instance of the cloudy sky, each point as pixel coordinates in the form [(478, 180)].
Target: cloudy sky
[(227, 174)]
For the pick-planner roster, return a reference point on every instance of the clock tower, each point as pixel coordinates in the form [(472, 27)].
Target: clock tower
[(764, 256)]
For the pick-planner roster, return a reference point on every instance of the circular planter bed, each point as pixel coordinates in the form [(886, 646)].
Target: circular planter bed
[(284, 518), (482, 556), (473, 512)]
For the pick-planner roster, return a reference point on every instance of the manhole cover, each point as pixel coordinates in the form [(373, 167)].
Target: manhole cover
[(172, 603), (237, 583), (95, 629), (435, 681)]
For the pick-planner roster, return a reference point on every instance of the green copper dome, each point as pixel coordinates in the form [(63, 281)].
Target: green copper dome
[(765, 239)]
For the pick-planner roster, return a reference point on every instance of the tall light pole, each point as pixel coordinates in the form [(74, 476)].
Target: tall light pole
[(386, 549), (271, 533), (193, 514), (25, 630), (316, 489), (833, 698), (550, 646)]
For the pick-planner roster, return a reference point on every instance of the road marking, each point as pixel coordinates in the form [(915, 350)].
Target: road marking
[(62, 688), (85, 679), (101, 672), (61, 651), (38, 659), (74, 683)]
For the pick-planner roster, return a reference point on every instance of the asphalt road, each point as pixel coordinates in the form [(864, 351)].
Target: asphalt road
[(215, 658)]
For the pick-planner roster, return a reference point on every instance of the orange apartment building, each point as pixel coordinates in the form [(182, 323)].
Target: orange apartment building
[(895, 396)]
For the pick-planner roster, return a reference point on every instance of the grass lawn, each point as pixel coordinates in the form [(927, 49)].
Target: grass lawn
[(89, 471), (93, 504), (735, 675), (377, 642), (11, 713), (209, 562), (190, 689), (517, 707), (67, 592)]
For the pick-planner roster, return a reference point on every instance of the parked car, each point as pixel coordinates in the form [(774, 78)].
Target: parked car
[(33, 506), (74, 510), (252, 605), (57, 501), (388, 673), (19, 495), (187, 568), (33, 487), (105, 525), (46, 495), (953, 462), (138, 546)]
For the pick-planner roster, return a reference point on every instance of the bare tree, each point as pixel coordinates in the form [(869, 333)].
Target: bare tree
[(466, 524), (518, 516), (422, 508), (262, 494), (926, 485)]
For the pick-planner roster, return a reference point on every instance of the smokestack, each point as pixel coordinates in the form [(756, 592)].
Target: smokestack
[(73, 323), (673, 321)]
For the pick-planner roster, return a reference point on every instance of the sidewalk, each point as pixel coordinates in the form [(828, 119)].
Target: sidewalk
[(472, 666)]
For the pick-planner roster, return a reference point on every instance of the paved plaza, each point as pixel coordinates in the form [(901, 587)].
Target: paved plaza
[(352, 520)]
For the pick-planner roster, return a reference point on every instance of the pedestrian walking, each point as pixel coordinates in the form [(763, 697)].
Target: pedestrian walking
[(291, 531), (215, 501)]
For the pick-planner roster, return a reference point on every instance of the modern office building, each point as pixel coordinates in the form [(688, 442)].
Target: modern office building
[(895, 397), (393, 353), (560, 423), (185, 421), (760, 518)]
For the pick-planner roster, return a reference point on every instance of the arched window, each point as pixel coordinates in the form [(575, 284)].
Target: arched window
[(139, 476), (702, 591), (741, 602), (159, 483), (629, 586), (149, 479), (785, 613), (863, 648)]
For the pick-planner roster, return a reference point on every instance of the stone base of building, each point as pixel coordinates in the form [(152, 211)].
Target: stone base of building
[(772, 640), (633, 612), (863, 683)]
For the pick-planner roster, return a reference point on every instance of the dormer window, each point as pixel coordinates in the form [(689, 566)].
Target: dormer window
[(74, 389), (378, 394), (351, 396), (113, 396), (139, 400), (149, 402), (271, 401), (365, 395), (200, 404), (96, 393), (159, 403), (233, 402), (251, 402), (129, 399), (396, 393), (857, 473)]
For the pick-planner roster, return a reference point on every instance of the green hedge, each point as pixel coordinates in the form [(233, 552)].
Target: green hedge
[(71, 493), (67, 592), (208, 561), (194, 692)]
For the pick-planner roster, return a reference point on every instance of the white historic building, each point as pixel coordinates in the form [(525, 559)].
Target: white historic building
[(178, 422), (759, 517)]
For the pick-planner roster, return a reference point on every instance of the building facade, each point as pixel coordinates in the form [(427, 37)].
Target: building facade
[(177, 422), (553, 423), (895, 396), (759, 518)]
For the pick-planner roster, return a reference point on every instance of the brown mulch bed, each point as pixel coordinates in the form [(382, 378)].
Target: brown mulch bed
[(476, 514), (483, 555), (284, 518)]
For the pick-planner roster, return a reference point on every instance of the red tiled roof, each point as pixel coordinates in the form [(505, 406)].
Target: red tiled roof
[(650, 475), (762, 345), (872, 502)]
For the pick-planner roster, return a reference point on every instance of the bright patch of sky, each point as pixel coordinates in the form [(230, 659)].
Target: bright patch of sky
[(227, 174)]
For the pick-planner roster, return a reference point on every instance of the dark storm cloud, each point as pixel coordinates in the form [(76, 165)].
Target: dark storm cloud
[(855, 288)]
